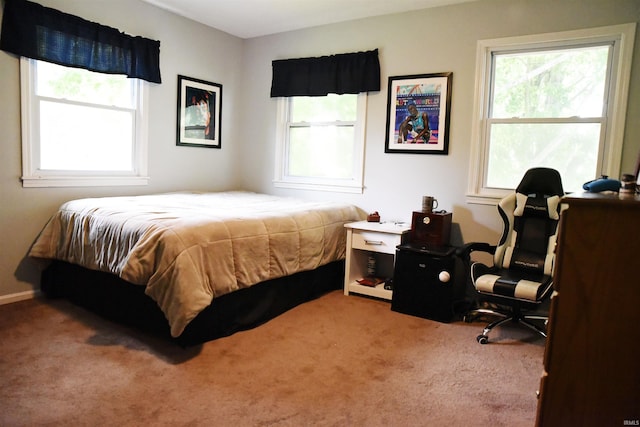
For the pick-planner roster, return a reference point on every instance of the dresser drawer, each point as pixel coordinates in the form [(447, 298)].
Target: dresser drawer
[(375, 241)]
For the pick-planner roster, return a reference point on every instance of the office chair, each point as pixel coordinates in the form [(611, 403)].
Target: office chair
[(521, 276)]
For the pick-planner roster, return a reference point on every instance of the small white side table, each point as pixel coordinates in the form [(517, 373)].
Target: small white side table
[(375, 239)]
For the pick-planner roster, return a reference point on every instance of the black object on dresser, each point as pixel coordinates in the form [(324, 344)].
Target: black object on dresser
[(428, 281)]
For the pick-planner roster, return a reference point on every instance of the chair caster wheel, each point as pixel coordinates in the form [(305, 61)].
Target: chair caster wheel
[(482, 339)]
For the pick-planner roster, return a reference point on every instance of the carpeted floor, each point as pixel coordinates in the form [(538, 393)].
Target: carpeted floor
[(335, 361)]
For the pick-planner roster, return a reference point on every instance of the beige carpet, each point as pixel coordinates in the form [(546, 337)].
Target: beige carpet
[(335, 361)]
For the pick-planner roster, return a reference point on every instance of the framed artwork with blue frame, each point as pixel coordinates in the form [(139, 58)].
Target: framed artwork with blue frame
[(199, 113), (418, 113)]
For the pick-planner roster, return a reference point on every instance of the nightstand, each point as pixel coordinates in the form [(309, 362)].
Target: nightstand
[(375, 239)]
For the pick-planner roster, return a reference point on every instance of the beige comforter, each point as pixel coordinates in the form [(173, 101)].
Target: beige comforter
[(188, 248)]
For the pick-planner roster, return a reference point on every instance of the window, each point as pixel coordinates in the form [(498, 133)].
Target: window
[(81, 128), (320, 142), (553, 100)]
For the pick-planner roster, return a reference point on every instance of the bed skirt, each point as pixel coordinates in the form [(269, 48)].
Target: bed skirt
[(118, 300)]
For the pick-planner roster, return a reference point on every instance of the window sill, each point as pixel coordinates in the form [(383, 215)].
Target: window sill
[(487, 197), (76, 181), (357, 189)]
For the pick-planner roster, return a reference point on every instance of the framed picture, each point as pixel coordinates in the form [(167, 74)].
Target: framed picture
[(418, 114), (199, 112)]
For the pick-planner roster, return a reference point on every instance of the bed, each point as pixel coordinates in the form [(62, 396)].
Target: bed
[(190, 265)]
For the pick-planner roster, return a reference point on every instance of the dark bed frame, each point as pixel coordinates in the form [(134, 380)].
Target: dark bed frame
[(126, 303)]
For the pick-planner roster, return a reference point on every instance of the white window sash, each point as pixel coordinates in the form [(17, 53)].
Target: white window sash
[(622, 35), (282, 179), (34, 176)]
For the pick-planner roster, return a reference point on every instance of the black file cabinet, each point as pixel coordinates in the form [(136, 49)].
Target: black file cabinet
[(427, 282)]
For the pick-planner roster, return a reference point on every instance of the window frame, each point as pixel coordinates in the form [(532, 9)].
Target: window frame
[(282, 179), (620, 36), (34, 176)]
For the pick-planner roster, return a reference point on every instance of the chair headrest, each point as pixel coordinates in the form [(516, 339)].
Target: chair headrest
[(543, 207), (541, 182)]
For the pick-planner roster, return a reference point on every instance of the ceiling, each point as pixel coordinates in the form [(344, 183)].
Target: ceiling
[(254, 18)]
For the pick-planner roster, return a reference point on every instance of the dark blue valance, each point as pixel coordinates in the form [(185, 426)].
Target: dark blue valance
[(343, 73), (38, 32)]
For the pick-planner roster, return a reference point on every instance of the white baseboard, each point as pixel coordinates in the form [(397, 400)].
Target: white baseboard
[(20, 296)]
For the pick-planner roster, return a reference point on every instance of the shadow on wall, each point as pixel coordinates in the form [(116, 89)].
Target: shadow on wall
[(29, 271), (480, 233)]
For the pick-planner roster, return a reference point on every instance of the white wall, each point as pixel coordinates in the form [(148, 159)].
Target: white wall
[(186, 48), (433, 40), (428, 41)]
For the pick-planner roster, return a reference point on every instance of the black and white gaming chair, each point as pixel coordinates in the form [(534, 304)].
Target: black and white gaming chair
[(521, 276)]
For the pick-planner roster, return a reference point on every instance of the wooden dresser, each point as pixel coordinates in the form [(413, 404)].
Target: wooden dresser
[(592, 357)]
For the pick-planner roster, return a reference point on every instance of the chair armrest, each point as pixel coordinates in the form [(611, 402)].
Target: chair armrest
[(465, 250)]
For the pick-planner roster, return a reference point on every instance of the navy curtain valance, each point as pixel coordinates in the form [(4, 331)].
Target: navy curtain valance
[(343, 73), (38, 32)]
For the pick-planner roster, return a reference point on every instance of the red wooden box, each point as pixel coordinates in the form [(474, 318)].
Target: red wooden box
[(433, 229)]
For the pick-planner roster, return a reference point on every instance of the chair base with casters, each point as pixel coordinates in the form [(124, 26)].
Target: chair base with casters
[(515, 315)]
